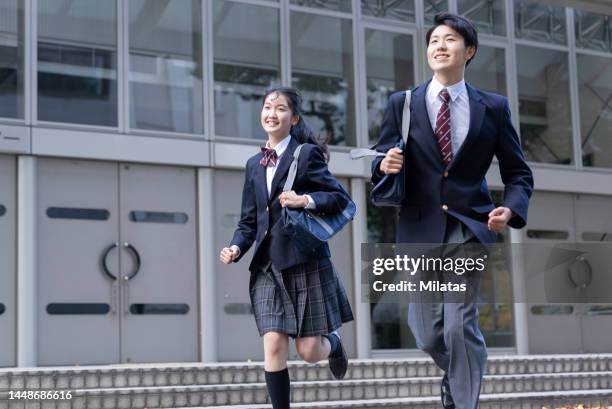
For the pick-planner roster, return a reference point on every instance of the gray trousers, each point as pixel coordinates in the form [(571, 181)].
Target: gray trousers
[(448, 331)]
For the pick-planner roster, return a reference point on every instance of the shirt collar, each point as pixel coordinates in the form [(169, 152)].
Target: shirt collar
[(281, 146), (453, 90)]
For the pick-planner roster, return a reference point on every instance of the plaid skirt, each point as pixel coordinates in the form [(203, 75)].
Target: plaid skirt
[(302, 301)]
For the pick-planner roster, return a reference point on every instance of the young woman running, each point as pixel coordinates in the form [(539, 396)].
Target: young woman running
[(293, 293)]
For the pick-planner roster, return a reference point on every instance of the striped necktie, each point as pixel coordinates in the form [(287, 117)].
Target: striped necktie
[(443, 128)]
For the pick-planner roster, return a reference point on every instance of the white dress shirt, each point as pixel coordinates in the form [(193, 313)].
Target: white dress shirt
[(280, 148), (459, 106)]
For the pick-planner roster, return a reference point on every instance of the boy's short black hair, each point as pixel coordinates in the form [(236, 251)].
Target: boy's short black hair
[(461, 25)]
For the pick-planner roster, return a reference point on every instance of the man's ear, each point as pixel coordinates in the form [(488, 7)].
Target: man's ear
[(471, 51)]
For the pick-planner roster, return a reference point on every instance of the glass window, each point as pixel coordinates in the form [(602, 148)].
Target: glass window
[(495, 309), (322, 61), (544, 105), (77, 213), (77, 61), (595, 101), (166, 65), (78, 309), (389, 68), (247, 62), (11, 59), (159, 309), (433, 7), (487, 71), (402, 10), (489, 16), (593, 31), (336, 5), (540, 22), (142, 216), (596, 236), (547, 234)]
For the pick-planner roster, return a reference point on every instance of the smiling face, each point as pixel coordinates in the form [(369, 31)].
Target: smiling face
[(446, 51), (277, 116)]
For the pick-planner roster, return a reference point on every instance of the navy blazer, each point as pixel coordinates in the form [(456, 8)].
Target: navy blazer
[(460, 188), (260, 220)]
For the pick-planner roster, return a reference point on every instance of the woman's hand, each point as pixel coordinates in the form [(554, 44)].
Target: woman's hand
[(229, 254), (293, 200)]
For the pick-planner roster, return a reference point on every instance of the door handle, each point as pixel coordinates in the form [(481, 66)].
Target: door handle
[(105, 268), (580, 273), (136, 255)]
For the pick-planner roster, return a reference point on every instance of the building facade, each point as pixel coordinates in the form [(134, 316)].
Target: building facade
[(125, 127)]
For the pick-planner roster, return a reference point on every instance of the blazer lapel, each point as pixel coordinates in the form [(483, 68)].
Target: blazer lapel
[(477, 111), (282, 168), (420, 125)]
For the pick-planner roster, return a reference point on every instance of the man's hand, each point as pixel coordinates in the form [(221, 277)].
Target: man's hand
[(229, 254), (499, 218), (393, 161), (292, 199)]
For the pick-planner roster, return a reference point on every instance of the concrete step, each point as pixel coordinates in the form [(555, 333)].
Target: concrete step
[(531, 400), (593, 398), (157, 375), (323, 391)]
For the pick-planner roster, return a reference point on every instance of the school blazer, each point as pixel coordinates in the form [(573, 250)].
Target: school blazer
[(432, 190), (260, 219)]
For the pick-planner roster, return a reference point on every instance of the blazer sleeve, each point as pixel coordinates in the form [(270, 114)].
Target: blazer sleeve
[(247, 226), (515, 173), (327, 193), (390, 132)]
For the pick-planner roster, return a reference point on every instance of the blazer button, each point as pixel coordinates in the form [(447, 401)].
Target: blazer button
[(265, 232), (267, 209), (444, 207), (445, 173)]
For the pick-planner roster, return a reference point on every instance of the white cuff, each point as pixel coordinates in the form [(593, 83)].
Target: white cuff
[(311, 203)]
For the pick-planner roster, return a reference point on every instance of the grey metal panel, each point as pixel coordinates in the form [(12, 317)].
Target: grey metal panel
[(89, 144), (14, 139), (69, 260), (8, 217), (237, 334), (168, 273), (551, 333), (592, 217)]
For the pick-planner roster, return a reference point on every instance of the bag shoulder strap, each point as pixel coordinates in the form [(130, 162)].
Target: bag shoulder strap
[(292, 169), (406, 116), (359, 153)]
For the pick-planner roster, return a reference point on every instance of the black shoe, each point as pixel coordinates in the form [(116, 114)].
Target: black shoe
[(338, 362), (445, 394)]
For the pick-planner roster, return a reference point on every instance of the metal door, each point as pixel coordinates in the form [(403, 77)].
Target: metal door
[(8, 217), (78, 262), (594, 228), (237, 334), (552, 328), (159, 283)]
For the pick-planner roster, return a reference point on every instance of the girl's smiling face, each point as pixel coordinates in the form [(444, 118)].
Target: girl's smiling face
[(277, 116)]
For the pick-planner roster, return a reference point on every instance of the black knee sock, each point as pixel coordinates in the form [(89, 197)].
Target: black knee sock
[(334, 342), (279, 388)]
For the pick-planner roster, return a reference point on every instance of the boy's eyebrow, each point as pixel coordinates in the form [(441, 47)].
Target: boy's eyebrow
[(445, 35)]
